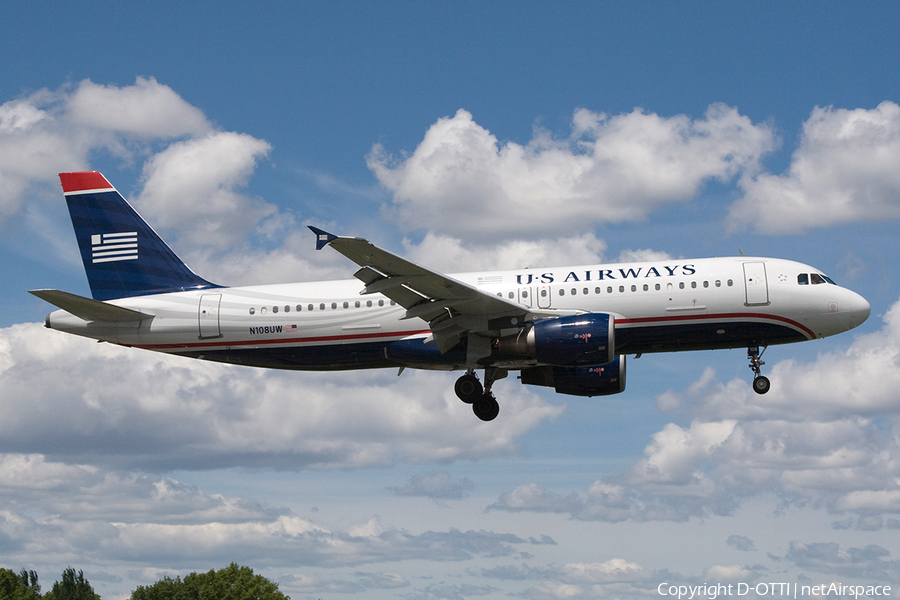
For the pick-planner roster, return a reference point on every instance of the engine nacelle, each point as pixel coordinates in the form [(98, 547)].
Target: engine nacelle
[(598, 380), (588, 339)]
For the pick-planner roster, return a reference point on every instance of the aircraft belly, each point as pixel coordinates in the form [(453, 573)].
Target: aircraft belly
[(333, 357), (704, 335)]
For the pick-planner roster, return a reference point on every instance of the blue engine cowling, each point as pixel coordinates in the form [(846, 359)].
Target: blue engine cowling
[(597, 380), (587, 339)]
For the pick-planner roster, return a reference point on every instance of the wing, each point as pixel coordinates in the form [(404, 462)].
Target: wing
[(452, 308)]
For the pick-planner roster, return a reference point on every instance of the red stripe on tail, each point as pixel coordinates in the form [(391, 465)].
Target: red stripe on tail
[(83, 180)]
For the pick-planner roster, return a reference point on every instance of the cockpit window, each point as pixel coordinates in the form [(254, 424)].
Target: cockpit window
[(828, 279), (803, 279), (817, 279)]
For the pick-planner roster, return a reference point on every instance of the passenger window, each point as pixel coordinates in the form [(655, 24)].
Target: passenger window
[(585, 291), (543, 293), (730, 282), (634, 288), (262, 310), (803, 279), (511, 295), (706, 284), (597, 290), (287, 308), (381, 303), (657, 287), (694, 285), (562, 292), (274, 309), (299, 307), (252, 311), (322, 306), (368, 304), (524, 293), (681, 285), (817, 279), (718, 283), (574, 292), (356, 304), (646, 287), (609, 289), (310, 307)]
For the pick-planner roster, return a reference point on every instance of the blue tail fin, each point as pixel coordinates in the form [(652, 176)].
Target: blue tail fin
[(122, 254)]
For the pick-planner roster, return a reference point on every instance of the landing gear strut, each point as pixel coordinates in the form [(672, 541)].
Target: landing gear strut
[(760, 382), (470, 391)]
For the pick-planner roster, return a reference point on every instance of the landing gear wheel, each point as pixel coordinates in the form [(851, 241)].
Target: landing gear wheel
[(468, 388), (486, 408), (761, 384)]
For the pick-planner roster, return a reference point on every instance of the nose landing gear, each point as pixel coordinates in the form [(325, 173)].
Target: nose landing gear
[(470, 391), (760, 382)]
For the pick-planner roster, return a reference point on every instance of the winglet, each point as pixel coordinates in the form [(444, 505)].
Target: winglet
[(323, 238)]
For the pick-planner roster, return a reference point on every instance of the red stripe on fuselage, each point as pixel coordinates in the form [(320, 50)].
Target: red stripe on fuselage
[(270, 341)]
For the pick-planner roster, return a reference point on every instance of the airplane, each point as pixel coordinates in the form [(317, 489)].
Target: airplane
[(568, 328)]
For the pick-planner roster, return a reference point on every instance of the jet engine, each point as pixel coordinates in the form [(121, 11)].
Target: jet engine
[(597, 380), (578, 340)]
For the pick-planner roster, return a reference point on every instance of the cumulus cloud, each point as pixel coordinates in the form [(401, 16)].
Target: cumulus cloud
[(447, 253), (75, 400), (146, 109), (826, 436), (461, 181), (191, 186), (51, 131), (844, 171)]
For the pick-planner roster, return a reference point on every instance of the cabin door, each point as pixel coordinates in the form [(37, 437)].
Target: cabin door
[(755, 283), (208, 316)]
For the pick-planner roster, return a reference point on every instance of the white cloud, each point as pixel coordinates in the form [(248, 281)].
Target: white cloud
[(48, 132), (445, 253), (462, 182), (190, 186), (110, 405), (844, 171), (146, 109)]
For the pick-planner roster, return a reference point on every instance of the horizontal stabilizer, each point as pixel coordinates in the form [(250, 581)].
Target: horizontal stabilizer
[(88, 309)]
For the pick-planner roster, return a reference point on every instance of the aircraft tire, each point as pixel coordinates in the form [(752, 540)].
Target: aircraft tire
[(487, 408), (761, 384), (468, 388)]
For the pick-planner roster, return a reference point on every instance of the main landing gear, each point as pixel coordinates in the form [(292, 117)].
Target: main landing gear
[(470, 391), (760, 382)]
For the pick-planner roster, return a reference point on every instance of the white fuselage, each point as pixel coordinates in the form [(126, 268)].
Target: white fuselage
[(658, 306)]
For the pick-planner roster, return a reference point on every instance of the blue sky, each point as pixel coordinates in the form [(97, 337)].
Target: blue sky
[(451, 133)]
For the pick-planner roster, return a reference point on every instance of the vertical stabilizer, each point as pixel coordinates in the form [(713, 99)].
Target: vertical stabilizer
[(122, 254)]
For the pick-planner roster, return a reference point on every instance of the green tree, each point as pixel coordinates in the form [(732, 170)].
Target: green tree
[(231, 583), (73, 586), (21, 586)]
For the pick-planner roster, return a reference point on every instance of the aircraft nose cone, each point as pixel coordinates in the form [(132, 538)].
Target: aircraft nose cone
[(859, 310)]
